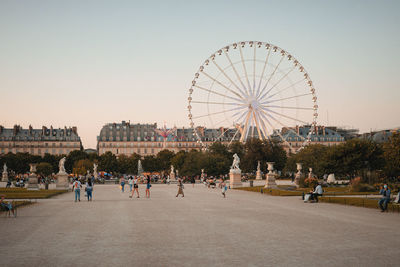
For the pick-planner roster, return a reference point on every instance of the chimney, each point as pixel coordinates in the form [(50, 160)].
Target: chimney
[(16, 129), (1, 129), (30, 129), (44, 129), (75, 130), (297, 129)]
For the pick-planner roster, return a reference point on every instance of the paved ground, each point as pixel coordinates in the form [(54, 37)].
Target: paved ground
[(202, 229)]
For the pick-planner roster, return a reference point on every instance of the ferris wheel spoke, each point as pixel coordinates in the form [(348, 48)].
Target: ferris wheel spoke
[(254, 69), (244, 67), (262, 74), (241, 116), (284, 125), (257, 125), (246, 123), (216, 93), (265, 115), (223, 85), (283, 115), (284, 89), (272, 127), (232, 82), (214, 113), (284, 76), (276, 100), (270, 77), (234, 69), (216, 103), (266, 132), (233, 138), (287, 107)]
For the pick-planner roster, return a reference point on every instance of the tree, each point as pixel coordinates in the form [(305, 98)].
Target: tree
[(150, 164), (108, 162), (164, 158), (179, 159), (72, 157), (312, 156), (82, 166), (52, 160), (392, 155), (44, 169), (353, 158)]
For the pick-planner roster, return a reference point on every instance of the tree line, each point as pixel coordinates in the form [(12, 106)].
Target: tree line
[(356, 157)]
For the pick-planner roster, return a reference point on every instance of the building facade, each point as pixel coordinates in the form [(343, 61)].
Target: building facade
[(297, 136), (146, 139), (39, 141)]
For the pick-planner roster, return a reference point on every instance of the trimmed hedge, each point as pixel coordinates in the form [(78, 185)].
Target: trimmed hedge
[(359, 202), (289, 190), (23, 193)]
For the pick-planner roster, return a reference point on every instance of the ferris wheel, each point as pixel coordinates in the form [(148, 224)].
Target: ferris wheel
[(257, 89)]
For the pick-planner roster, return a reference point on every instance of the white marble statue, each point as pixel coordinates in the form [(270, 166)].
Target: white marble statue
[(172, 168), (95, 167), (235, 163), (61, 168), (258, 166), (4, 168)]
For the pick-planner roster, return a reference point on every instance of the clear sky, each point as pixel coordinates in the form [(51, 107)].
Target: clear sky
[(87, 63)]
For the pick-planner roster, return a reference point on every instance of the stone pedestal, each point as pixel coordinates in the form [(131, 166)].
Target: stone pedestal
[(172, 176), (235, 178), (298, 174), (4, 177), (33, 182), (270, 180), (270, 177), (3, 184), (258, 175), (62, 181)]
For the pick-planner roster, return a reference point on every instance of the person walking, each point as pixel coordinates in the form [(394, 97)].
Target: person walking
[(180, 188), (122, 183), (383, 202), (193, 181), (76, 186), (135, 187), (89, 189), (168, 180), (130, 182), (223, 187), (148, 185)]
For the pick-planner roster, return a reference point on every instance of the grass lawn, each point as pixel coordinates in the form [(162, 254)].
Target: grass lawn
[(330, 196), (23, 193)]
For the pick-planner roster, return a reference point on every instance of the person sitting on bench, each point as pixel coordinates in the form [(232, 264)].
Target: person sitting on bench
[(317, 192)]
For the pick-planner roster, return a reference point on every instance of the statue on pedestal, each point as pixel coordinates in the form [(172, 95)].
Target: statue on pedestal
[(61, 168), (235, 163), (172, 173), (258, 173), (235, 174), (95, 170), (62, 175), (5, 174)]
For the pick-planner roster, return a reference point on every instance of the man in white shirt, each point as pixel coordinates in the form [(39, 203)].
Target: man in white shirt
[(317, 192)]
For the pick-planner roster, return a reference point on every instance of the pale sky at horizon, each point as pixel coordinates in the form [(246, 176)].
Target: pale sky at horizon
[(88, 63)]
